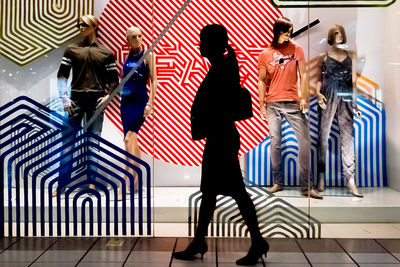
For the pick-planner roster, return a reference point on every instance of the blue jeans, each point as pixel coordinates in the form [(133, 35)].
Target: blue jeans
[(85, 105)]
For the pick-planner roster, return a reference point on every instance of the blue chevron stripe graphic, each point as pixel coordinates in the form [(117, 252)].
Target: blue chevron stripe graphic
[(37, 147), (369, 135)]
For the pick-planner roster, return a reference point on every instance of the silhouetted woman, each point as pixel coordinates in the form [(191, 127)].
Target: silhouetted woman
[(212, 118)]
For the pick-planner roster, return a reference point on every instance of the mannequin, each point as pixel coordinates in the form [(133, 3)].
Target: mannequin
[(278, 66), (336, 94), (136, 103), (94, 77)]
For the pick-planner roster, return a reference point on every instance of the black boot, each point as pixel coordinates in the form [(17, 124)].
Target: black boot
[(195, 247), (255, 252)]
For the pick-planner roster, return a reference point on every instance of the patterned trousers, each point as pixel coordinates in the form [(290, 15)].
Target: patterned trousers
[(344, 112)]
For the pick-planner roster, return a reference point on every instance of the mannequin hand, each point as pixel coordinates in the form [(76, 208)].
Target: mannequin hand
[(69, 105), (358, 113), (304, 105), (147, 111), (263, 112), (101, 100), (321, 100)]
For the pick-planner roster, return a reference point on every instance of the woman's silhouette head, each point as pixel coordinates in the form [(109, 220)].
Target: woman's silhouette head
[(213, 41)]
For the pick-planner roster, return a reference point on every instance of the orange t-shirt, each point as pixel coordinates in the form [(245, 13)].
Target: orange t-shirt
[(281, 66)]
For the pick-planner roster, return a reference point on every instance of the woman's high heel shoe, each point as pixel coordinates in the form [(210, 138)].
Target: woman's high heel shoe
[(255, 253), (195, 247)]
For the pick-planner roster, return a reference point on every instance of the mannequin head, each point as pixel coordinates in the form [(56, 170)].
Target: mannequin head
[(337, 35), (88, 25), (134, 37), (283, 30)]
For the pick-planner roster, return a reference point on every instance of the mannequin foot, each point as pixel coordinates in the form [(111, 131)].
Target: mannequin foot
[(353, 190), (313, 193), (195, 247), (321, 184), (275, 188)]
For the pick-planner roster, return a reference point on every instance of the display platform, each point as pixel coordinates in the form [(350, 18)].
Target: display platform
[(379, 205)]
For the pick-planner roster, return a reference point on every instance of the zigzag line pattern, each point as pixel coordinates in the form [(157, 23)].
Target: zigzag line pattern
[(277, 218), (37, 148), (369, 133), (181, 69), (32, 28)]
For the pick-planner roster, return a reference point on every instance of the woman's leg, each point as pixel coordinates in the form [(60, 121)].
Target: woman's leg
[(131, 146), (248, 212), (199, 245), (207, 207), (258, 245)]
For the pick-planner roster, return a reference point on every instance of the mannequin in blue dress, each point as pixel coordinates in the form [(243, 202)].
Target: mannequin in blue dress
[(136, 102)]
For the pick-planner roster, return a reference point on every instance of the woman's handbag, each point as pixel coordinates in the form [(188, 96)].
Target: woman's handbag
[(242, 105)]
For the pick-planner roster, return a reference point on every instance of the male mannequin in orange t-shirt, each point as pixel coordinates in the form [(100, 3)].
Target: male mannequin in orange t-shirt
[(278, 66)]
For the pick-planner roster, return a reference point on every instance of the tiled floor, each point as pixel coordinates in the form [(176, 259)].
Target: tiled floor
[(157, 251)]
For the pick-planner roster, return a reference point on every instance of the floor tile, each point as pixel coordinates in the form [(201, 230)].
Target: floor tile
[(106, 256), (361, 246), (334, 265), (150, 256), (53, 264), (102, 264), (74, 243), (5, 242), (114, 243), (110, 250), (71, 256), (191, 264), (15, 264), (373, 258), (283, 245), (233, 244), (380, 265), (19, 256), (391, 245), (33, 243), (319, 245), (155, 244), (285, 257), (328, 257)]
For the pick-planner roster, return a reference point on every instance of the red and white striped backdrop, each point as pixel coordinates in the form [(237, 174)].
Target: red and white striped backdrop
[(180, 68)]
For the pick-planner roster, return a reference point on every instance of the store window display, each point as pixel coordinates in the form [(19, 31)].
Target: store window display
[(336, 94)]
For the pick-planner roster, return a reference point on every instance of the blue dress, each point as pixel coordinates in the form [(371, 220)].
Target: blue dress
[(134, 96)]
